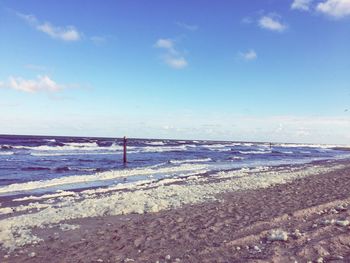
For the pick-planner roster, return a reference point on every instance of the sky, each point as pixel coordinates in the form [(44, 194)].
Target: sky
[(258, 70)]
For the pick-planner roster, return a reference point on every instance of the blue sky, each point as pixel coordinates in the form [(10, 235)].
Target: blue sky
[(262, 70)]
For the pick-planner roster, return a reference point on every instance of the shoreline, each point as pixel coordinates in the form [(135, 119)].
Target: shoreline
[(208, 230)]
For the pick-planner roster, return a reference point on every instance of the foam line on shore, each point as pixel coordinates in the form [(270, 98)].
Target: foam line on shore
[(110, 175), (16, 231)]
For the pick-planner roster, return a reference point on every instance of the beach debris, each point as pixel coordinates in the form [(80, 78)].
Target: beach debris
[(129, 260), (167, 257), (32, 254), (99, 260), (238, 248), (278, 235), (314, 225), (342, 222), (319, 260)]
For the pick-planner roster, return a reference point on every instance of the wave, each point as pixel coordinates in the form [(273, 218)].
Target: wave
[(254, 152), (190, 161), (77, 147), (50, 140), (155, 143), (309, 145), (159, 148), (104, 176), (7, 153)]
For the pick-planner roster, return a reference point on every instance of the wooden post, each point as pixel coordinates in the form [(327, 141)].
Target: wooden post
[(124, 159)]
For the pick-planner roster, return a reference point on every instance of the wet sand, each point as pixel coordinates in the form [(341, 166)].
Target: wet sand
[(235, 229)]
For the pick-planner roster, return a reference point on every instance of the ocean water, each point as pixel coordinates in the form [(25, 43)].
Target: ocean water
[(44, 164)]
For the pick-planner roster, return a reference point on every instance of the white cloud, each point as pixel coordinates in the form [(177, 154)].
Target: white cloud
[(303, 5), (165, 43), (187, 26), (172, 56), (67, 33), (271, 22), (249, 55), (334, 8), (176, 62), (41, 83)]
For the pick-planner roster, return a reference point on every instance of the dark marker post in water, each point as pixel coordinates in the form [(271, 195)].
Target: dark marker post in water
[(124, 159)]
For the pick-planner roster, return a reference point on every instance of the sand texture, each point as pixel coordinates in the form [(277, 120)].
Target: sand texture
[(299, 221)]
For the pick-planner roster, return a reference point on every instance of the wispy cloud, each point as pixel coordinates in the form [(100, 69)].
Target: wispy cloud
[(272, 22), (334, 8), (165, 43), (41, 83), (66, 33), (187, 26), (303, 5), (172, 57), (249, 55), (98, 40), (175, 62)]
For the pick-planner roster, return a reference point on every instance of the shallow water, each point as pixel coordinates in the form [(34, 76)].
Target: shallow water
[(30, 162)]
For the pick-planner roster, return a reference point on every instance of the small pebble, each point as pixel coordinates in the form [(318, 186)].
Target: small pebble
[(342, 222), (278, 235), (256, 248)]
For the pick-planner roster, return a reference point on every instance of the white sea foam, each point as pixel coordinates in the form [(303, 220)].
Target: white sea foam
[(16, 231), (322, 146), (93, 148), (161, 148), (254, 152), (6, 153), (102, 177), (77, 147), (47, 196), (50, 140), (191, 161)]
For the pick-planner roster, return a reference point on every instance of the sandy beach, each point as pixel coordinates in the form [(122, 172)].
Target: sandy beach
[(303, 220)]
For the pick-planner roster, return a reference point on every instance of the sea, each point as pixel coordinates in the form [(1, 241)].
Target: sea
[(39, 164)]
